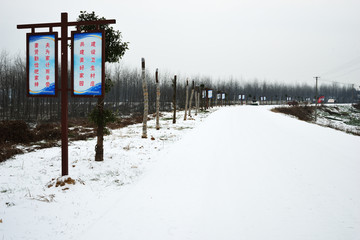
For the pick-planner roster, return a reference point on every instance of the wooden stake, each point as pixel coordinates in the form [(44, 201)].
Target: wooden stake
[(191, 97), (157, 99), (146, 99), (174, 99), (186, 98)]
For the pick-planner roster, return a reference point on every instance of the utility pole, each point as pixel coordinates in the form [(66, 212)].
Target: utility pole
[(316, 96)]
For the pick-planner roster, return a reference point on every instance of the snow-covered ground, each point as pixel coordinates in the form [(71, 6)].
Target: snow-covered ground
[(242, 173), (340, 116)]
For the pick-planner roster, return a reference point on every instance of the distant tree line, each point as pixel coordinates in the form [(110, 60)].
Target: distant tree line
[(126, 95)]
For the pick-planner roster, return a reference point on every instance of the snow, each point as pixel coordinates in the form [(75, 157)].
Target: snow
[(238, 173), (338, 120)]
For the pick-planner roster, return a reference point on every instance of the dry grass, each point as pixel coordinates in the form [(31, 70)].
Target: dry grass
[(304, 113), (47, 135)]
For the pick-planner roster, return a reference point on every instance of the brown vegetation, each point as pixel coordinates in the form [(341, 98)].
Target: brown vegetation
[(304, 113), (45, 135), (356, 105)]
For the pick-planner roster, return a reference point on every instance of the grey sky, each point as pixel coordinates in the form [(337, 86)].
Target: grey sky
[(276, 40)]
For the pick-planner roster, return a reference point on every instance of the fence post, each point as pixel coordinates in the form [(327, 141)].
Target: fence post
[(146, 99), (191, 97), (157, 99), (186, 98), (197, 97), (174, 99)]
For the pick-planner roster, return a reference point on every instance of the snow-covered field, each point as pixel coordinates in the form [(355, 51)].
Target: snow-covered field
[(241, 173)]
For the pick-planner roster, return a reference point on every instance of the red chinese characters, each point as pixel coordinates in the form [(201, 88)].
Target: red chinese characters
[(36, 64), (87, 55), (47, 64), (82, 67), (92, 67)]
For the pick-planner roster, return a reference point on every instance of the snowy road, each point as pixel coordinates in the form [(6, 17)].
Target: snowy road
[(245, 173)]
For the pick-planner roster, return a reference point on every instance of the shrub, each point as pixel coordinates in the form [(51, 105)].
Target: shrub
[(304, 113), (15, 132)]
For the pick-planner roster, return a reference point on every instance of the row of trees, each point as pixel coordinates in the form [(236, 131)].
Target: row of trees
[(126, 94)]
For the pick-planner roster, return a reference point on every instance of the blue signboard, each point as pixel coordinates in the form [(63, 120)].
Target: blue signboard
[(42, 64), (88, 64)]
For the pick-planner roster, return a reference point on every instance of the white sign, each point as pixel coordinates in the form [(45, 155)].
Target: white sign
[(42, 63), (203, 93), (88, 63)]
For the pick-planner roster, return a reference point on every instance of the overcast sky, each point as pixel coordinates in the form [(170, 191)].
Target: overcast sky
[(275, 40)]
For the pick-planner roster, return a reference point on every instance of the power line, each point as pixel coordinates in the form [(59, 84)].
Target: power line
[(346, 73), (343, 67), (331, 81)]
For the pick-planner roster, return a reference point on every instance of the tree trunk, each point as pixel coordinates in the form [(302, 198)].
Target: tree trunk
[(99, 149), (157, 100), (146, 99)]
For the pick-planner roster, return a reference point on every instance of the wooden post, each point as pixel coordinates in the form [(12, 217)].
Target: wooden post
[(146, 99), (64, 95), (157, 99), (174, 99), (201, 102), (216, 98), (197, 98), (191, 97), (64, 24), (206, 98), (186, 98), (316, 97), (196, 101)]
